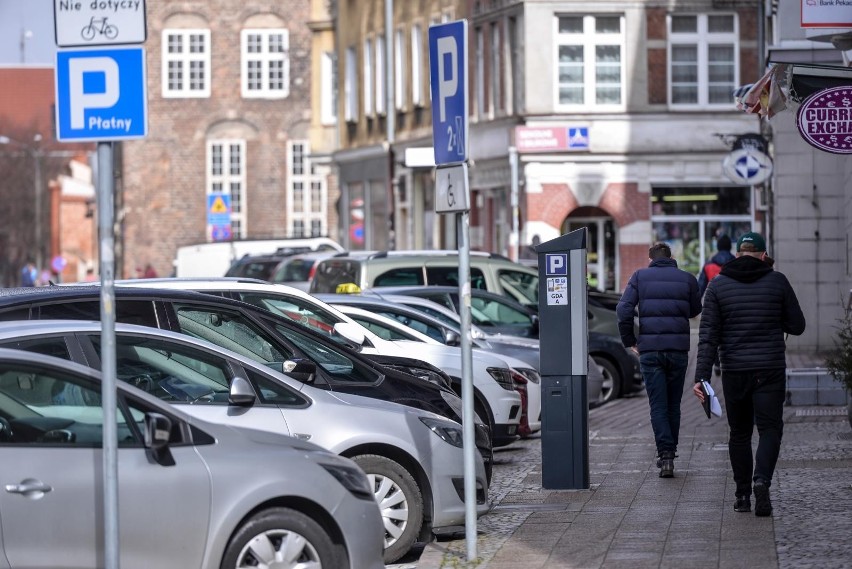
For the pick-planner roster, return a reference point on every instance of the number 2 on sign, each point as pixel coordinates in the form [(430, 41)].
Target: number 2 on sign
[(454, 138), (451, 138)]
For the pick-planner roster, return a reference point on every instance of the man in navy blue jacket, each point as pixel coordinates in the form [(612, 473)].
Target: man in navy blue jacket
[(666, 298), (748, 309)]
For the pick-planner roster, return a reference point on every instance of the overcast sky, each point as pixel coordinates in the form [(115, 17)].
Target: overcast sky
[(34, 20)]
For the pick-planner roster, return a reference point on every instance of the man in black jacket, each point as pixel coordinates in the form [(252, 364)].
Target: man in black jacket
[(667, 298), (747, 310)]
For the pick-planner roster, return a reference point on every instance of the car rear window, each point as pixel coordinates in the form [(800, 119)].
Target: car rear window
[(333, 272)]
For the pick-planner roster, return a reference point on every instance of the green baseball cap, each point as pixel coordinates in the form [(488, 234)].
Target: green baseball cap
[(755, 239)]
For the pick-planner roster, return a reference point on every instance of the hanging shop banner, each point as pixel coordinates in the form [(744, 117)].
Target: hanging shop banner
[(826, 13), (825, 120)]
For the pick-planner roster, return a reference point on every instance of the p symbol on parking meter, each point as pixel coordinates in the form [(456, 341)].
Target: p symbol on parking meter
[(557, 264), (448, 77)]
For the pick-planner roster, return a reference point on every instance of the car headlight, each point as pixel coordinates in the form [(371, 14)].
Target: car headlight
[(455, 403), (450, 432), (503, 376), (532, 375), (353, 479)]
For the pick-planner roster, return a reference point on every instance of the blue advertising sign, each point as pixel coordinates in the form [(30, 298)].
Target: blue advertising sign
[(101, 94), (448, 84)]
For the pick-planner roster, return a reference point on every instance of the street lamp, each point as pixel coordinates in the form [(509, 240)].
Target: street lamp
[(36, 153)]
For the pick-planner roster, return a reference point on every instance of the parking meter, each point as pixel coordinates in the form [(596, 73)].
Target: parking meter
[(563, 337)]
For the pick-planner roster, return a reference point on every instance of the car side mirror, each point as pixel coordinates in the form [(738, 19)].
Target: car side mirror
[(351, 332), (158, 431), (241, 393), (300, 369), (452, 338), (534, 323)]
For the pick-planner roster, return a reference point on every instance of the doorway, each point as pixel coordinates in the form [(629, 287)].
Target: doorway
[(602, 253)]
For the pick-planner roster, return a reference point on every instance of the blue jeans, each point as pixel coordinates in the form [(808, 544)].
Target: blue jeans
[(664, 374)]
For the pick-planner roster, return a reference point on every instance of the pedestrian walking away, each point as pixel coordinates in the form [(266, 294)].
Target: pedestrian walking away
[(712, 268), (748, 309), (665, 298)]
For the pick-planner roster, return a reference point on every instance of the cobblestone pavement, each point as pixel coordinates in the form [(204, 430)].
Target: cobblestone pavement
[(631, 518)]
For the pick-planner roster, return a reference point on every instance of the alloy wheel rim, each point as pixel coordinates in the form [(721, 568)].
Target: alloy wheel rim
[(279, 549), (393, 505)]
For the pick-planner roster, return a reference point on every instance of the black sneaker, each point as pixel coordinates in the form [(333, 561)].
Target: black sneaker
[(666, 463), (762, 503), (743, 504)]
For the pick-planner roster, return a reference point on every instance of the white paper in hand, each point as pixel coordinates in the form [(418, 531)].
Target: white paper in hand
[(715, 406)]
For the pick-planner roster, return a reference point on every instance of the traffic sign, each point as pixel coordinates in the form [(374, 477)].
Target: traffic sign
[(453, 192), (219, 209), (747, 166), (448, 78), (101, 94), (99, 22), (220, 232)]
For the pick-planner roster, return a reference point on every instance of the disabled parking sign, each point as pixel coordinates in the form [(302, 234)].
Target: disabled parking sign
[(101, 94)]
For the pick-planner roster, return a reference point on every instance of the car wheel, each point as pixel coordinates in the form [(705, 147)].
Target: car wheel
[(400, 503), (611, 388), (281, 537)]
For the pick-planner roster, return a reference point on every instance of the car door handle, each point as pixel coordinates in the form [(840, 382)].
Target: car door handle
[(30, 487)]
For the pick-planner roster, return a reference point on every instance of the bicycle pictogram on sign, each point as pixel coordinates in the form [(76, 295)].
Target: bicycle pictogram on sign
[(99, 26)]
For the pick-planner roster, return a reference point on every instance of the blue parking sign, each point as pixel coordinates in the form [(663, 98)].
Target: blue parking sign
[(101, 94), (448, 84)]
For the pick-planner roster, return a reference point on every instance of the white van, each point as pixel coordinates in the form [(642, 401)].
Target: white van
[(214, 259)]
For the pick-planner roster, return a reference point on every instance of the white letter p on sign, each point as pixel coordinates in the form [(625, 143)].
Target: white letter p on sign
[(447, 87), (79, 100)]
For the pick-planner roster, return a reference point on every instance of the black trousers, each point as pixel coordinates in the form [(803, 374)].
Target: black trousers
[(754, 398)]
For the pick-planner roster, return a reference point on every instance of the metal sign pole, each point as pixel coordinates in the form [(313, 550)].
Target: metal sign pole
[(108, 364), (468, 441)]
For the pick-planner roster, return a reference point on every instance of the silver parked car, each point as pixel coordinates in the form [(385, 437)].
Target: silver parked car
[(413, 458), (191, 493)]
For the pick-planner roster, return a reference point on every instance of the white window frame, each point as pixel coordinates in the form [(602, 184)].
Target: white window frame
[(368, 80), (350, 87), (185, 60), (399, 78), (589, 39), (417, 65), (479, 57), (266, 59), (222, 179), (703, 39), (314, 207), (494, 64), (381, 74), (328, 88)]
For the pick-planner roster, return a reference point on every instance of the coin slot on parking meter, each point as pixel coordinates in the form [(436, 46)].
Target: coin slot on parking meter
[(564, 350)]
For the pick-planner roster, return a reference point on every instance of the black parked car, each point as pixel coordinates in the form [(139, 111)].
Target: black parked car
[(264, 336)]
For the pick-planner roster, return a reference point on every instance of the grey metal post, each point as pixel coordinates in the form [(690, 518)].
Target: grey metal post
[(468, 440), (514, 239), (108, 364)]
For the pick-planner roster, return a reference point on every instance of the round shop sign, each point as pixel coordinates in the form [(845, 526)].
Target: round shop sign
[(825, 120)]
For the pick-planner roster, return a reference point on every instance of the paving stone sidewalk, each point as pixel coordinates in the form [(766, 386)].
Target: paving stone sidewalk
[(631, 518)]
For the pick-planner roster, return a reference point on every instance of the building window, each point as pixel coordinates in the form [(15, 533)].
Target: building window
[(381, 72), (399, 70), (307, 193), (494, 93), (417, 65), (480, 73), (350, 87), (328, 88), (226, 174), (703, 64), (589, 60), (367, 80), (186, 63), (265, 63)]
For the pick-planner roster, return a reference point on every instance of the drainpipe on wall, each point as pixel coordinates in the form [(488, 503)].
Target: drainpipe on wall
[(390, 123)]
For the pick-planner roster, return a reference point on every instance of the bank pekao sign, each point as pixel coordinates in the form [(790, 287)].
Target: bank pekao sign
[(825, 120)]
